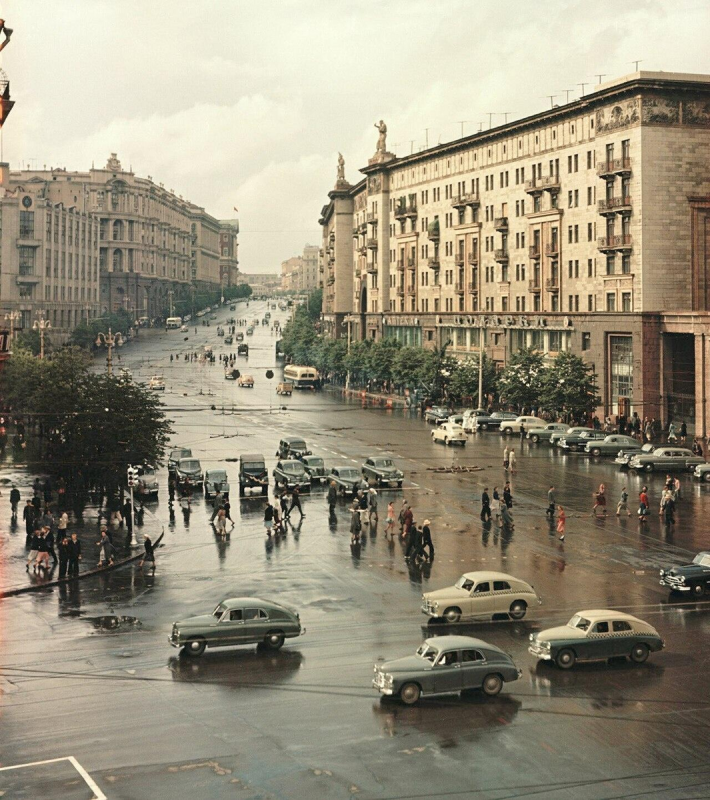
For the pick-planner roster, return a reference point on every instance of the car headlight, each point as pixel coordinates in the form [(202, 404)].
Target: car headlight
[(435, 604), (682, 578), (532, 637), (662, 572), (544, 645), (389, 679)]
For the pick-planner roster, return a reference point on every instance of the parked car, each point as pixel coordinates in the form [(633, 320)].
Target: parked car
[(315, 467), (668, 458), (189, 468), (493, 422), (470, 418), (446, 665), (183, 329), (611, 444), (624, 456), (253, 475), (437, 415), (449, 433), (702, 472), (235, 621), (284, 388), (595, 636), (216, 480), (693, 577), (157, 383), (290, 473), (292, 447), (245, 382), (513, 425), (555, 437), (347, 479), (457, 419), (382, 471), (537, 435), (175, 455), (578, 441), (148, 485), (231, 374), (480, 595)]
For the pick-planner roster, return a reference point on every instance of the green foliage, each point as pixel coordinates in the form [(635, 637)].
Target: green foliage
[(29, 341), (569, 386), (84, 335), (520, 383), (463, 385), (410, 367)]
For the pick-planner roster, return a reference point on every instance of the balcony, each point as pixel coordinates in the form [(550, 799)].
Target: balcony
[(553, 284), (472, 288), (411, 288), (473, 259), (362, 250), (534, 285), (550, 183), (612, 205), (27, 276), (434, 263), (552, 250), (610, 243), (371, 217), (400, 266), (371, 243), (331, 280), (403, 211), (533, 187), (614, 166), (501, 256), (459, 259), (534, 251), (27, 239), (400, 291), (501, 224), (411, 263), (372, 268), (356, 230), (433, 231), (459, 287), (466, 199)]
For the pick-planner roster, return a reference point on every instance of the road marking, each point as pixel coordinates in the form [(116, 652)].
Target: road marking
[(98, 794)]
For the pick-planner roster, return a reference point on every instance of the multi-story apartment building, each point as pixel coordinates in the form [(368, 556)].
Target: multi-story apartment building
[(291, 270), (579, 228), (49, 257), (310, 276), (154, 246), (229, 252)]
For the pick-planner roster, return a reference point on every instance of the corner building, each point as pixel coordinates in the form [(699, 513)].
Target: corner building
[(582, 228)]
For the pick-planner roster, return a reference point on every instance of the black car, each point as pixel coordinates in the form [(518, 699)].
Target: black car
[(315, 467), (253, 474), (693, 577), (243, 349), (437, 414), (291, 473), (347, 479), (578, 441), (382, 471), (493, 421), (175, 455), (292, 447)]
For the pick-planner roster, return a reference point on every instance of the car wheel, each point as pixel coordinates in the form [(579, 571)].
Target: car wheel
[(698, 590), (274, 640), (484, 426), (518, 609), (399, 484), (452, 614), (706, 477), (508, 431), (639, 653), (535, 438), (649, 467), (194, 647), (410, 693), (596, 451), (492, 684), (565, 659)]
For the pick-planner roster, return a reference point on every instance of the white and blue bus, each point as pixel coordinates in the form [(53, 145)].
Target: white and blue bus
[(301, 377)]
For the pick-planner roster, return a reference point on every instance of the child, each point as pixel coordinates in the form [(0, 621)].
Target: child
[(390, 518), (643, 505), (561, 520), (599, 501), (623, 503)]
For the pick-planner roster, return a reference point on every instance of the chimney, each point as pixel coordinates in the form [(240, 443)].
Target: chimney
[(4, 174)]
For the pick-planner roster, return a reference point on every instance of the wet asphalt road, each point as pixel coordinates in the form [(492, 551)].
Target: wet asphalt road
[(88, 672)]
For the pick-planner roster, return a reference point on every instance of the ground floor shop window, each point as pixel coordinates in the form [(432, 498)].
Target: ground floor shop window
[(621, 371)]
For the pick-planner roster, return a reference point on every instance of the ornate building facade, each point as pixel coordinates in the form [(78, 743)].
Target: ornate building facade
[(582, 228)]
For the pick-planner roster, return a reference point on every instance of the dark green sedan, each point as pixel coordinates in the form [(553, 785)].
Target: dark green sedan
[(596, 636), (237, 620)]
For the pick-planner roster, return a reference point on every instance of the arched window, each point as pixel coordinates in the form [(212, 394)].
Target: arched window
[(118, 260), (118, 230)]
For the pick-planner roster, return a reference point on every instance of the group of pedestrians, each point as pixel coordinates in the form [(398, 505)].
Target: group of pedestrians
[(496, 508), (278, 513)]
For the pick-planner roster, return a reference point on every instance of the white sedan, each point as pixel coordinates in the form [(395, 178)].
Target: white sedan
[(156, 383), (449, 433)]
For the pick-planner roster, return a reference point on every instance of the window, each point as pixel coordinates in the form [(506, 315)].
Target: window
[(235, 615), (576, 233), (626, 301), (590, 232), (586, 341), (471, 655), (482, 587), (449, 659), (619, 625), (590, 268), (555, 341), (590, 302), (27, 224), (501, 586), (590, 195), (626, 265), (611, 301), (589, 159), (610, 265), (251, 613), (601, 627)]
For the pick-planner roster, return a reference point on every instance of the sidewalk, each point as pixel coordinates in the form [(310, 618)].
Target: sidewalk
[(375, 398)]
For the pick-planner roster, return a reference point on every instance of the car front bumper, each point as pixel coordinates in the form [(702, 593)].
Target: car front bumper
[(381, 685), (429, 609), (674, 583), (540, 652)]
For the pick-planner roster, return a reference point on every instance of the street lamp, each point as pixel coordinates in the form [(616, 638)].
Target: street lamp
[(41, 325), (110, 340), (12, 317)]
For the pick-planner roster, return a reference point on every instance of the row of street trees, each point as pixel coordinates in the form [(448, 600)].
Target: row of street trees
[(565, 386)]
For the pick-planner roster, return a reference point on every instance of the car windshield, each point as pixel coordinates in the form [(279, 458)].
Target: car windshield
[(221, 608), (464, 583), (218, 475), (189, 464), (176, 455), (294, 467), (703, 559), (148, 472), (350, 474), (314, 462), (427, 651), (578, 622), (253, 466), (384, 462)]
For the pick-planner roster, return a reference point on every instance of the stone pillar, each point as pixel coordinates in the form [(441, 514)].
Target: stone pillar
[(702, 365)]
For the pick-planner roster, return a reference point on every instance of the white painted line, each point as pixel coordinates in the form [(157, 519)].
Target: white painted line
[(98, 794)]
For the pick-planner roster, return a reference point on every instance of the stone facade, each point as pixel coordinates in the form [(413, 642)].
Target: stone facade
[(229, 252), (301, 273), (597, 210)]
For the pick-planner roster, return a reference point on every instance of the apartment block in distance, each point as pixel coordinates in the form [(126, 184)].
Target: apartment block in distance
[(582, 228)]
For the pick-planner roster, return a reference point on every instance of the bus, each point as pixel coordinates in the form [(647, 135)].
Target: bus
[(301, 377), (173, 322)]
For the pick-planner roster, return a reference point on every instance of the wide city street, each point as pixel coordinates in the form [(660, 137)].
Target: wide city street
[(88, 672)]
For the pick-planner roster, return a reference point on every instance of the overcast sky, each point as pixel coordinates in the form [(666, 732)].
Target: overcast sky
[(247, 103)]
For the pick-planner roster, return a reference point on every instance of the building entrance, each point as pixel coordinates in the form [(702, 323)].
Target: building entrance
[(679, 383)]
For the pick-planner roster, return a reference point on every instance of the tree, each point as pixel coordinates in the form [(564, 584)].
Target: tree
[(357, 361), (520, 383), (381, 360), (463, 385), (409, 367), (29, 340), (569, 386)]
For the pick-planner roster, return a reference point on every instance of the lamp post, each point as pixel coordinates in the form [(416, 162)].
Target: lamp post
[(12, 318), (41, 325), (110, 340), (481, 329)]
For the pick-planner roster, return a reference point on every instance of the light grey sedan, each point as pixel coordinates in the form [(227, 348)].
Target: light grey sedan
[(545, 434), (611, 445), (445, 665)]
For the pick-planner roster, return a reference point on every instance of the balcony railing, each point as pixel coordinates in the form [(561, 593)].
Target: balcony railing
[(459, 287), (550, 183), (331, 280), (372, 268), (501, 224), (400, 291), (613, 204), (371, 243), (553, 284), (533, 186), (411, 263), (411, 288), (615, 243), (473, 288), (406, 210), (614, 166), (552, 249), (500, 255), (459, 259), (534, 251), (473, 259), (400, 265), (371, 216), (534, 285), (466, 199), (434, 263)]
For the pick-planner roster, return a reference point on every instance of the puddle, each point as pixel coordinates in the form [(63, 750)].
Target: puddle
[(114, 623)]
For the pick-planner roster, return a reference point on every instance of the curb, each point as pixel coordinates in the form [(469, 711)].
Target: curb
[(388, 401)]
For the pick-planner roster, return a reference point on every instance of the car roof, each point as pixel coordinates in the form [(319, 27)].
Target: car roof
[(605, 613), (238, 602), (293, 439), (491, 576), (252, 457), (216, 469), (459, 642), (343, 466)]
